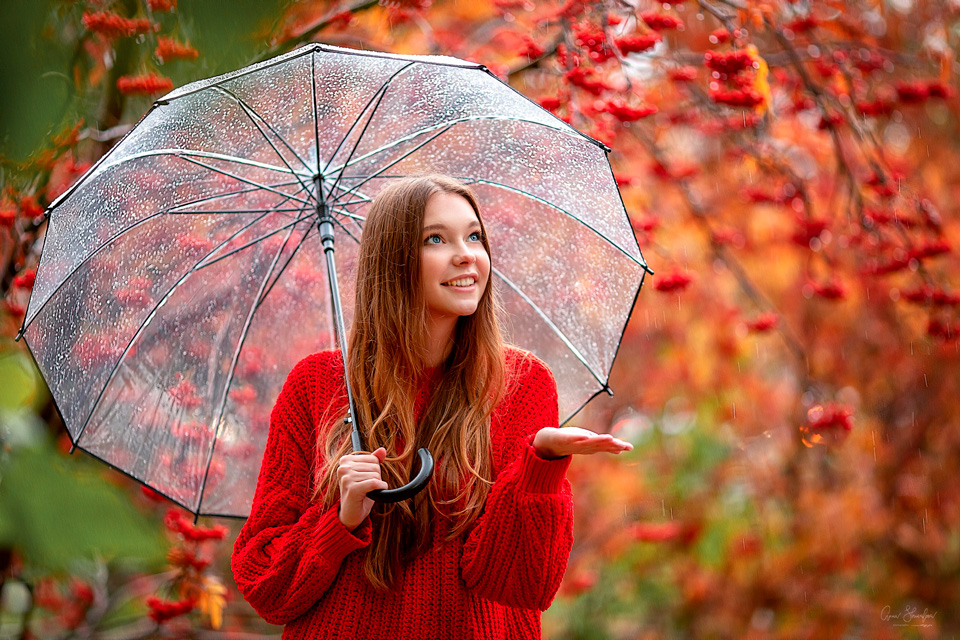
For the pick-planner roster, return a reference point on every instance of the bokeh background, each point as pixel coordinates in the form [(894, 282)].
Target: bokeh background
[(789, 375)]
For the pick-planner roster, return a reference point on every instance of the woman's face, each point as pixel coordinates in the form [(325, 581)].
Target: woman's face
[(454, 265)]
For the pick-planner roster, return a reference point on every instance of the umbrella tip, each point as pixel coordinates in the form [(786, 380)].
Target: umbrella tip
[(608, 390), (19, 334)]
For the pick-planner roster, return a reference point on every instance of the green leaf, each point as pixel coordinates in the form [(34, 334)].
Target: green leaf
[(54, 511)]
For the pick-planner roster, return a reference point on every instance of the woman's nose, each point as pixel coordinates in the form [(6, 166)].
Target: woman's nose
[(465, 255)]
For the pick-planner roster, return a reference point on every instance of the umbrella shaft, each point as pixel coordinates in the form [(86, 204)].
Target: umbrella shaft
[(327, 240)]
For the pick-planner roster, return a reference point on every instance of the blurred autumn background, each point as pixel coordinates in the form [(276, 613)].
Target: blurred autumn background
[(789, 376)]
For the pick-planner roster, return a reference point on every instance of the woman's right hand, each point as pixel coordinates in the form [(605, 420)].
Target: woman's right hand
[(358, 474)]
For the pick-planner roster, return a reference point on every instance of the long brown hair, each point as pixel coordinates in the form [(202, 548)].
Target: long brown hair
[(386, 356)]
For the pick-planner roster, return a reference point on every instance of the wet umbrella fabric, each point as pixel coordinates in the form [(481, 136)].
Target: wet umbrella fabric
[(182, 277)]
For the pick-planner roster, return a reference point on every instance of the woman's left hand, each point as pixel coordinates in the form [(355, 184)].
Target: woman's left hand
[(551, 442)]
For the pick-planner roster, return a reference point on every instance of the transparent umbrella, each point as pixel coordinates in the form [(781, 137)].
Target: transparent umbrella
[(183, 276)]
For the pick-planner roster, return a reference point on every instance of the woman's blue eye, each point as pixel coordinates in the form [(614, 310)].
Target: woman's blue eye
[(475, 236), (433, 239)]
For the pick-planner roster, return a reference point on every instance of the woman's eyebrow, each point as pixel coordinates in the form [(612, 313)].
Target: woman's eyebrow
[(443, 227)]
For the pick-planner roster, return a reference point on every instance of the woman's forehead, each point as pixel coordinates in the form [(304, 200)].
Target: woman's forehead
[(449, 210)]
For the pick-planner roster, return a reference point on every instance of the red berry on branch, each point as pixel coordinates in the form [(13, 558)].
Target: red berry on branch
[(170, 49), (625, 113), (877, 107), (661, 21), (675, 281), (149, 84), (763, 322), (802, 25), (936, 89), (728, 62), (637, 43), (112, 25), (162, 5), (747, 97), (8, 215), (26, 279), (829, 416), (929, 249), (912, 92), (719, 36), (163, 610)]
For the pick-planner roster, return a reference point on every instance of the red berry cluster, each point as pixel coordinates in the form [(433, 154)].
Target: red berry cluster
[(148, 84), (177, 523), (170, 49), (113, 25), (163, 610)]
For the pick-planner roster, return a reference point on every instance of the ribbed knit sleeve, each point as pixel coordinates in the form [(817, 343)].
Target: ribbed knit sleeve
[(517, 553), (290, 549)]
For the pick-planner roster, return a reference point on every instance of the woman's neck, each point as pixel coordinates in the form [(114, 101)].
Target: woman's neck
[(439, 339)]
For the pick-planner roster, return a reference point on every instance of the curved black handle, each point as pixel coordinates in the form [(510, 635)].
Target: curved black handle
[(413, 487)]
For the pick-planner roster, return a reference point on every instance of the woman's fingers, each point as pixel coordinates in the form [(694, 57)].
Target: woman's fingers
[(365, 486), (574, 440), (359, 474)]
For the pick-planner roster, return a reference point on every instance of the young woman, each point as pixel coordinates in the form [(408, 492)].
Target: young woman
[(480, 552)]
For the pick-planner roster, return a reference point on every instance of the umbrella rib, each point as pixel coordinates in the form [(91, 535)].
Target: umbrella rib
[(218, 418), (543, 316), (285, 265), (118, 235), (553, 206), (250, 112), (150, 317), (345, 230), (179, 153), (316, 115), (356, 218), (289, 225), (380, 91), (351, 191), (400, 159), (449, 123), (246, 180), (352, 216), (383, 92), (226, 211), (228, 194)]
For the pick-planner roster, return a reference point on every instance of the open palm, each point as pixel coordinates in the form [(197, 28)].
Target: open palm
[(551, 442)]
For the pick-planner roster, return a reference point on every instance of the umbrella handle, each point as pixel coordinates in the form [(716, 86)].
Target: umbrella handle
[(413, 487)]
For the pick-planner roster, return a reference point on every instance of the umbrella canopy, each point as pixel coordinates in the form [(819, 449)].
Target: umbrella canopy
[(182, 277)]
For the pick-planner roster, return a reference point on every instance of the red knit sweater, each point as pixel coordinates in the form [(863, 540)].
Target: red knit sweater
[(297, 564)]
